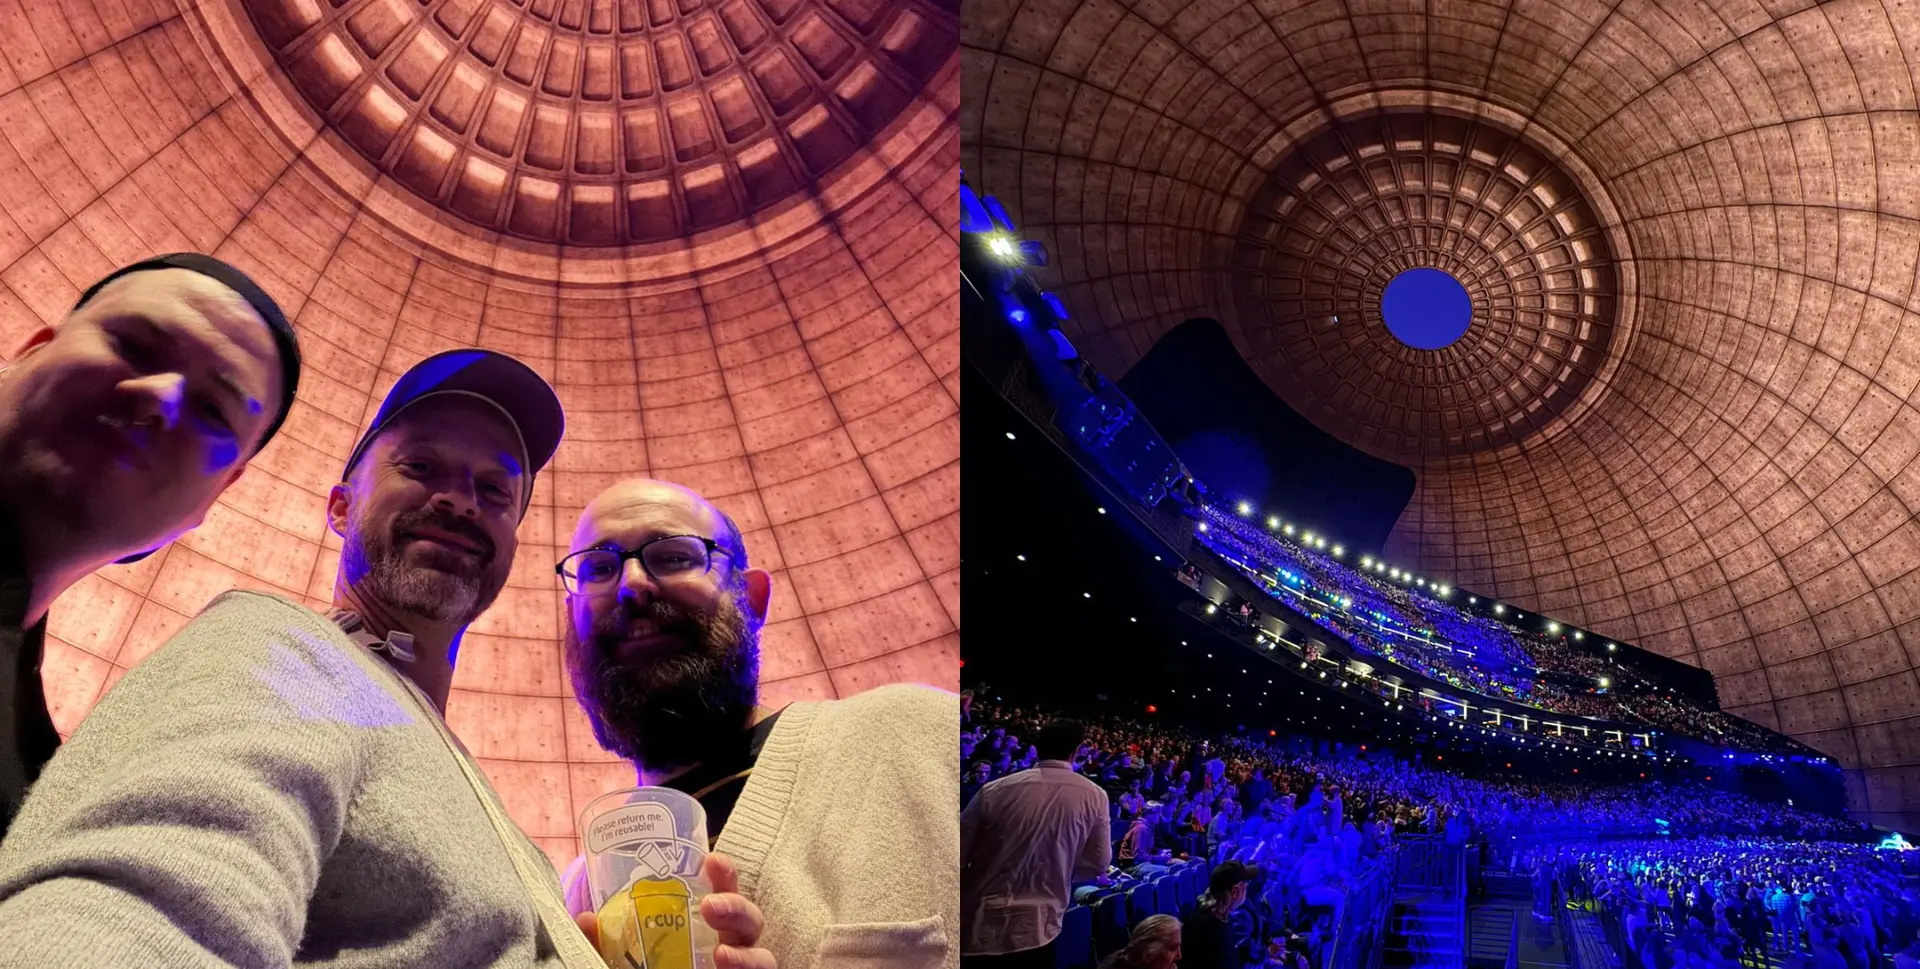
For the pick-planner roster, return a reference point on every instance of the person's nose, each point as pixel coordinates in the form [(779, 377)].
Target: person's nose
[(636, 584), (157, 399), (461, 497)]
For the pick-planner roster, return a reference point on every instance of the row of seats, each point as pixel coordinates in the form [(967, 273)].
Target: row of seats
[(1090, 933)]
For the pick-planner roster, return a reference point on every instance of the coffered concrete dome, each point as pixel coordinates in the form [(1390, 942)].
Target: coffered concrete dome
[(1726, 477), (1381, 192), (604, 123), (794, 359)]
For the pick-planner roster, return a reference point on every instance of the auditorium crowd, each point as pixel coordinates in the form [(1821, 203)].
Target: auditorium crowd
[(1722, 902), (1188, 777), (1441, 641), (1309, 820)]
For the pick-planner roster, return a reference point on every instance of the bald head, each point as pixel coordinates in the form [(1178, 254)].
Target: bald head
[(665, 663), (649, 502)]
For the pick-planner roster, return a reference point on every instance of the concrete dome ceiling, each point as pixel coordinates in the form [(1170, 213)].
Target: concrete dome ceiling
[(1381, 193), (799, 366), (596, 122), (1735, 486)]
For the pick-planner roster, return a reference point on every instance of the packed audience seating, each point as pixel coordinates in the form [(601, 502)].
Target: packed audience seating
[(1721, 902), (1315, 820), (1413, 629), (1188, 777), (1180, 807)]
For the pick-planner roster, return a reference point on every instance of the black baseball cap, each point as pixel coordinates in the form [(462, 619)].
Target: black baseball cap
[(522, 396), (1226, 875), (239, 282)]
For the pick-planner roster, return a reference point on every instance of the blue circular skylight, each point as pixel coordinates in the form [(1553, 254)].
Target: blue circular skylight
[(1426, 309)]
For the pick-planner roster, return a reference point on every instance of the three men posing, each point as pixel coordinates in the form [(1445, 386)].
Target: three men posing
[(277, 787)]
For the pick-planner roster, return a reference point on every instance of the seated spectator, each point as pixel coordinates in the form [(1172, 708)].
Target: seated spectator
[(1219, 935), (979, 772), (1154, 944), (1136, 856), (1223, 825)]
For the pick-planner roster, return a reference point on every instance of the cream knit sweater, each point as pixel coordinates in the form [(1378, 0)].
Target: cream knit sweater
[(262, 792), (848, 833)]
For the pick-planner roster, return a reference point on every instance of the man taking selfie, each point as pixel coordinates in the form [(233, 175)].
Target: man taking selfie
[(118, 430)]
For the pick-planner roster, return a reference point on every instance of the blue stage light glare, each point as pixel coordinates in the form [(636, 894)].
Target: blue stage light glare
[(973, 215), (999, 213), (1062, 349)]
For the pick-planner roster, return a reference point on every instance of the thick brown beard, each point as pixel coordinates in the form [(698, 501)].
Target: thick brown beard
[(677, 710)]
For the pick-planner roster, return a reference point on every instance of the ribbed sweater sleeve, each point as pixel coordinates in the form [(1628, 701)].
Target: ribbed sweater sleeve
[(187, 820)]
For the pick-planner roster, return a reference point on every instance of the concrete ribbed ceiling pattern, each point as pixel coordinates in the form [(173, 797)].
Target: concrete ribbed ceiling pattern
[(809, 386), (1739, 492), (1380, 193), (607, 122)]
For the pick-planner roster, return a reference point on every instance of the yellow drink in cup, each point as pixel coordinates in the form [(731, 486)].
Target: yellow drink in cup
[(644, 851), (649, 926)]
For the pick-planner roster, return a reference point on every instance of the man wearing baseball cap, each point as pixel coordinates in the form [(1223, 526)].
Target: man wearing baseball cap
[(1218, 934), (118, 430), (278, 787)]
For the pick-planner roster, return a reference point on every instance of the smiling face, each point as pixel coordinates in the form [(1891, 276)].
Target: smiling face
[(666, 669), (123, 425), (431, 513)]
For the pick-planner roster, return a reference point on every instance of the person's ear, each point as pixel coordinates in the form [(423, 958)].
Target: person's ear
[(759, 593), (35, 340), (338, 501)]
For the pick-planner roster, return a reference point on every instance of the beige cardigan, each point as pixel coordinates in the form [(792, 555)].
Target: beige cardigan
[(848, 833)]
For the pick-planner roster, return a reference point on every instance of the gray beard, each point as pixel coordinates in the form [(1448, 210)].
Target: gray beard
[(427, 593), (431, 594)]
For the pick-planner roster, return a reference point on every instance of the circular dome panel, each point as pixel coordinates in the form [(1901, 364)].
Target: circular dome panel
[(1426, 309), (1379, 196), (606, 122)]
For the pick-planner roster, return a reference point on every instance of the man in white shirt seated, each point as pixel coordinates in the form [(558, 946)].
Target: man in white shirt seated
[(1025, 839)]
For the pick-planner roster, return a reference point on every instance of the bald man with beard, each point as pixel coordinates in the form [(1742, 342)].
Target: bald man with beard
[(839, 814)]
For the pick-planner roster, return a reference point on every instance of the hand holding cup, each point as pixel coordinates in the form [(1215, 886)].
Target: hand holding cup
[(737, 920)]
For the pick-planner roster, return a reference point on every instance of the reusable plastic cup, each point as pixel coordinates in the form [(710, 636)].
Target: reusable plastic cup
[(644, 850)]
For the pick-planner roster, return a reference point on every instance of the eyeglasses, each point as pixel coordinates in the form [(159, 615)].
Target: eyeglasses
[(596, 571)]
